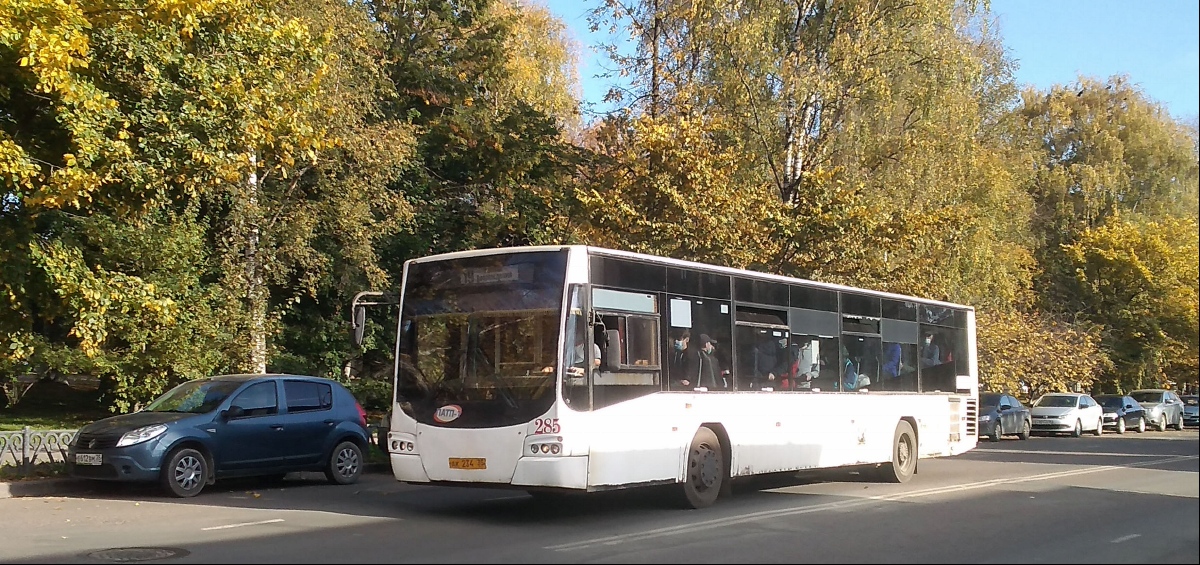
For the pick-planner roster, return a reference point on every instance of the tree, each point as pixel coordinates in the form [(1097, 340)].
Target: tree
[(1139, 279), (1036, 353)]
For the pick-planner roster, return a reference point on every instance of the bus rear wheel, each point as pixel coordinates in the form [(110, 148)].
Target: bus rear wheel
[(705, 473), (904, 456)]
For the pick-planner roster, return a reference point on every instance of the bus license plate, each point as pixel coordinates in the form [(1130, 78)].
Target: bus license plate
[(468, 463), (89, 458)]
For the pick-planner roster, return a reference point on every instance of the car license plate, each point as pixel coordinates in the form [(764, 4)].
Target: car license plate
[(89, 458), (468, 463)]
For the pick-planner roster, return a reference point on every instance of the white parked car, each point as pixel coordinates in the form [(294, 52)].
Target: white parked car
[(1067, 413)]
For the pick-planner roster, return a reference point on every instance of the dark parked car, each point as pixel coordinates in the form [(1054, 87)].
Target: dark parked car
[(1190, 405), (1002, 414), (228, 426), (1122, 412)]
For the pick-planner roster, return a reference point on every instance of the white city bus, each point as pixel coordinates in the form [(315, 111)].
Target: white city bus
[(554, 369)]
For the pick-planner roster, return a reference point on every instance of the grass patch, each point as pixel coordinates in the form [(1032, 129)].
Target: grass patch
[(11, 473), (53, 406)]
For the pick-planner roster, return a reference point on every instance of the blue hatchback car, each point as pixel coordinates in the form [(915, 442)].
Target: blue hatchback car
[(228, 426)]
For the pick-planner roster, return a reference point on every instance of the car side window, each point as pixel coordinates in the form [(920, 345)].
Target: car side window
[(303, 396), (259, 399)]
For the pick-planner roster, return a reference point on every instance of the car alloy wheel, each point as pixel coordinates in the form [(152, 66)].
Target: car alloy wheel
[(1120, 424), (1078, 429), (1141, 427)]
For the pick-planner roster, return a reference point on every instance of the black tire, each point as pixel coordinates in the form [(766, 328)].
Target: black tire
[(184, 473), (345, 463), (1078, 429), (1025, 430), (1141, 427), (705, 472), (1162, 423), (1120, 425), (997, 431), (1099, 427), (904, 456), (1179, 423)]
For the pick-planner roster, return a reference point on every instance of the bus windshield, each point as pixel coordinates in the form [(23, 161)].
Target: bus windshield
[(478, 338)]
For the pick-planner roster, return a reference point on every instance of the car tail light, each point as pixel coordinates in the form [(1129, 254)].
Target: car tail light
[(362, 414)]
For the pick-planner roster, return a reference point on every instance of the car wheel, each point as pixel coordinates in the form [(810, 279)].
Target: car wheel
[(1162, 423), (1120, 424), (1141, 427), (904, 456), (1179, 423), (185, 472), (1099, 427), (345, 463), (1078, 429), (1025, 429), (997, 431), (705, 473)]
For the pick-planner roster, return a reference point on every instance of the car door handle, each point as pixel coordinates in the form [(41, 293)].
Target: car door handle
[(330, 422), (277, 427)]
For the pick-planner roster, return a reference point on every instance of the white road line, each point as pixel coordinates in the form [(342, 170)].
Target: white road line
[(842, 504), (1034, 452), (228, 526), (1126, 538)]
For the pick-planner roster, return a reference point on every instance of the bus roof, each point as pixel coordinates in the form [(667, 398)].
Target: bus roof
[(592, 250)]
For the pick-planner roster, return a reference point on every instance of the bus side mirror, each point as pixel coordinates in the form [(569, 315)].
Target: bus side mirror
[(612, 353), (360, 324)]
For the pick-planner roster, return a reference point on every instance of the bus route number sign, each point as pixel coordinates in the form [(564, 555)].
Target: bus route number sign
[(546, 426)]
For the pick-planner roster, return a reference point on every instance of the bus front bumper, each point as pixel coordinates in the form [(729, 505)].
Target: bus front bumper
[(559, 472)]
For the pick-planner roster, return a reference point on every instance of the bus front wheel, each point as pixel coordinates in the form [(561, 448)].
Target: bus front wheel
[(904, 456), (705, 473)]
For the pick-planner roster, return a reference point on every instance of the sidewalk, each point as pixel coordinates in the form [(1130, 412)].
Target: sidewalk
[(66, 486)]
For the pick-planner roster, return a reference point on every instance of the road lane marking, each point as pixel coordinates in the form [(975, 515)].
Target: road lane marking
[(1091, 453), (844, 504), (228, 526), (1126, 538)]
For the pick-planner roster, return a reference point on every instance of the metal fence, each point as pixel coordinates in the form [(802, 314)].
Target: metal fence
[(29, 447)]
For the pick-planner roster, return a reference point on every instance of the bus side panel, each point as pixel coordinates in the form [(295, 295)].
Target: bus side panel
[(642, 440)]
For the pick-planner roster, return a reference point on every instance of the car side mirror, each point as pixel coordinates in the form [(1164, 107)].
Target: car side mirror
[(233, 412), (1005, 407), (1129, 407)]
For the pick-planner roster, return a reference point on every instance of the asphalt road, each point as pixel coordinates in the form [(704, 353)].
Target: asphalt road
[(1109, 499)]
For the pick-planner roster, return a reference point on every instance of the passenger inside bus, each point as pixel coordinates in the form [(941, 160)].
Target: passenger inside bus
[(703, 369)]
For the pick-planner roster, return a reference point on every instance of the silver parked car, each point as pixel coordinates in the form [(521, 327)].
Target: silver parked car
[(1067, 412), (1191, 414), (1163, 407)]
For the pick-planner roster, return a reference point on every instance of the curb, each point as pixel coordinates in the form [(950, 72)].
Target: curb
[(42, 487), (67, 486)]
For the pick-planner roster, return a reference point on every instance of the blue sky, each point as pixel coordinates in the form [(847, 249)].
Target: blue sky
[(1156, 43)]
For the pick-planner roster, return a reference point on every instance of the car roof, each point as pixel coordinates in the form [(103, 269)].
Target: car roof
[(1065, 394), (254, 376), (1149, 390)]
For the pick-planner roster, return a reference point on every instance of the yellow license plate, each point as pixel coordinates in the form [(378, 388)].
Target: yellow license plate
[(468, 463)]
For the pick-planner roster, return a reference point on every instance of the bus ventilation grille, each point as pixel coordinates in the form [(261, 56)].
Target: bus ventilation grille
[(972, 417)]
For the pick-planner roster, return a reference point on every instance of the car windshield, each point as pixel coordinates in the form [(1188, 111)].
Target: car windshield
[(195, 397), (989, 400), (1147, 396), (1056, 401), (1113, 402)]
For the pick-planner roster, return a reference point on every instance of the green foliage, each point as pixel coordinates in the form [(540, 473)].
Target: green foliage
[(1139, 279), (1037, 353)]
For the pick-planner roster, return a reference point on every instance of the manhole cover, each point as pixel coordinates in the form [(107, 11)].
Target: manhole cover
[(124, 554)]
